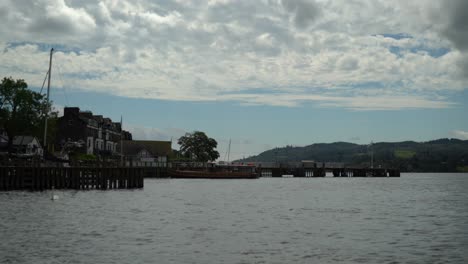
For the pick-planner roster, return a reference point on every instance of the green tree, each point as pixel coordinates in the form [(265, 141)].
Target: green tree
[(198, 146), (21, 110)]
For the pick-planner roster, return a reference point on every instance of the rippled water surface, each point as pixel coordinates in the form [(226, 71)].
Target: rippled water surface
[(418, 218)]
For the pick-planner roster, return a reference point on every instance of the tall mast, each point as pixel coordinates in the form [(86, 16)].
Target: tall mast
[(229, 149), (47, 98), (121, 142)]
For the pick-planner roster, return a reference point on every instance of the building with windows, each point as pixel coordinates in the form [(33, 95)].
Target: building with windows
[(146, 153), (97, 134)]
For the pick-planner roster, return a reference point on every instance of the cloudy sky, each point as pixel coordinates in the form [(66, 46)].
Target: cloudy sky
[(264, 73)]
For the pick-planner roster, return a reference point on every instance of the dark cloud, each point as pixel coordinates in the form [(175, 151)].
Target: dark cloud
[(48, 21), (54, 25), (462, 63), (456, 31), (304, 11), (457, 28)]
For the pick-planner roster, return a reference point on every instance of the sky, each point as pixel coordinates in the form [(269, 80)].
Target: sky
[(263, 74)]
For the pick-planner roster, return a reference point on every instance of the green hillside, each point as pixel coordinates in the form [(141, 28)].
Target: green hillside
[(442, 155)]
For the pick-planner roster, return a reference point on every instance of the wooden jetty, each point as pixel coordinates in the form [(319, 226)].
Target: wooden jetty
[(104, 178), (267, 169), (78, 178), (322, 172)]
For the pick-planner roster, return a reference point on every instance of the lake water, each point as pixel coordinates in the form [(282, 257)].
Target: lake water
[(418, 218)]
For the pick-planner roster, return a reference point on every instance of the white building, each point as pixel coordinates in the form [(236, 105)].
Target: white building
[(27, 146)]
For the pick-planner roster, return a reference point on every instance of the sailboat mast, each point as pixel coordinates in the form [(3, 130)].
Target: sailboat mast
[(47, 98), (229, 149), (121, 142)]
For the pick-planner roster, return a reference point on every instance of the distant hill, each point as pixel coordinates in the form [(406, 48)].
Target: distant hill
[(442, 155)]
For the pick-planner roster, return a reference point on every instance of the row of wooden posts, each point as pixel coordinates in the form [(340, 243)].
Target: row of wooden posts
[(79, 178), (321, 172)]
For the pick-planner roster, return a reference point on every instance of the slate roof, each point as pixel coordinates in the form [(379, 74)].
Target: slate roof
[(93, 120), (22, 140), (156, 148)]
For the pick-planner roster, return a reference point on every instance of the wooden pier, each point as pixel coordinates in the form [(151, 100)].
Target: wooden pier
[(272, 169), (78, 178), (322, 172), (278, 170), (104, 178)]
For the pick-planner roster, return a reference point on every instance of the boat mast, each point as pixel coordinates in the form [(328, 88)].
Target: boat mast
[(229, 150), (121, 142), (47, 99)]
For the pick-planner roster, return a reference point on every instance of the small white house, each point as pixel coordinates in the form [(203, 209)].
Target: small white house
[(27, 146)]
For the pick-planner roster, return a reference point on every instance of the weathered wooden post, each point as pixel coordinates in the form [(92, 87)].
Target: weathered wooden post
[(141, 178)]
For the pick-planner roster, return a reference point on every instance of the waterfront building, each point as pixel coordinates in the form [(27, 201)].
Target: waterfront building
[(98, 134), (146, 153)]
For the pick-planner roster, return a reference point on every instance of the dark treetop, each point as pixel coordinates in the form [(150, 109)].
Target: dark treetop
[(198, 146)]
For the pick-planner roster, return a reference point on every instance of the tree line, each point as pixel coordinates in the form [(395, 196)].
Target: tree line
[(442, 155), (23, 111)]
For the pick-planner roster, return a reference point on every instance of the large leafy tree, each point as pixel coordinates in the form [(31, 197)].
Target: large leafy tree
[(198, 146), (21, 110)]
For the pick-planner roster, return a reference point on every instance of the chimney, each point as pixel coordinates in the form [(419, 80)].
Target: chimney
[(71, 111)]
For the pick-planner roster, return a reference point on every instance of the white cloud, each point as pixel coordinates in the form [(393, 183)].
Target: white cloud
[(153, 19), (152, 133), (265, 40), (297, 51), (460, 134)]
